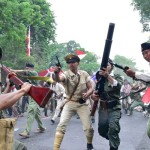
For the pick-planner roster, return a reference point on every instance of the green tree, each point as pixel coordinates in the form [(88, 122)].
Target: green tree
[(72, 46), (89, 63), (15, 16), (123, 61), (143, 6), (59, 50), (12, 29)]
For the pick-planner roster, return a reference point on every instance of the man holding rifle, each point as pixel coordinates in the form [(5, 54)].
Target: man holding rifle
[(145, 49), (109, 112), (33, 107), (7, 100), (78, 88)]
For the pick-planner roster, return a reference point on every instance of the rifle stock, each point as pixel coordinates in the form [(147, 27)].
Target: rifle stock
[(41, 95), (94, 108), (100, 79)]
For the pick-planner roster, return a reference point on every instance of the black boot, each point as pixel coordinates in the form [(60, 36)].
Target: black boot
[(112, 148), (90, 147)]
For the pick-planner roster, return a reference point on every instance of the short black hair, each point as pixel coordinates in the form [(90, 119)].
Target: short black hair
[(30, 65)]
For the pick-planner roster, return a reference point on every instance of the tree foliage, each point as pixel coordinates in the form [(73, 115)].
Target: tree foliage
[(143, 6), (15, 17), (88, 63), (123, 61)]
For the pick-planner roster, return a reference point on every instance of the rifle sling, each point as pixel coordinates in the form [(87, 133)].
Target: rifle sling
[(103, 103), (138, 91), (75, 88), (71, 93)]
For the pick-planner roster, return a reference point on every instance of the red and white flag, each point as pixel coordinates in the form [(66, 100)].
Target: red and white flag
[(146, 96), (47, 72), (81, 54), (28, 42)]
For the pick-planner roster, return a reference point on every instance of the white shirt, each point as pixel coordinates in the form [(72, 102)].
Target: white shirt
[(143, 76), (58, 88)]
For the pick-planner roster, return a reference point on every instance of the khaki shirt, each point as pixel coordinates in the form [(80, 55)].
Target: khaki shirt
[(71, 80)]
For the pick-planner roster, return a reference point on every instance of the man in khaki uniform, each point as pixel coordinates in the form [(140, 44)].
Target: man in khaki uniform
[(76, 82)]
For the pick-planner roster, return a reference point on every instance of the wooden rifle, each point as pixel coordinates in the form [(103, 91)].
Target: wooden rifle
[(41, 95)]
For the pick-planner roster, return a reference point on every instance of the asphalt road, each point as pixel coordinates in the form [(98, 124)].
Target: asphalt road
[(133, 134)]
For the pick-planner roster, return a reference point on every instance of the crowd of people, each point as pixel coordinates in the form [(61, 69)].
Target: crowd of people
[(74, 93), (131, 96)]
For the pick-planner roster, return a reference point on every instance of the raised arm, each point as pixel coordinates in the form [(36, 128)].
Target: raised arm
[(57, 77), (8, 99)]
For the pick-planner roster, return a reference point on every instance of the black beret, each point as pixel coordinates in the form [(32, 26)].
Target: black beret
[(145, 46), (30, 65), (71, 58)]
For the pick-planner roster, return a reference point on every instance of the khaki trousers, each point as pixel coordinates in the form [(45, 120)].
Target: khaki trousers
[(84, 113)]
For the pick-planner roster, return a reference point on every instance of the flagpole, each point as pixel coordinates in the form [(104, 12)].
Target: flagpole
[(0, 81), (0, 71), (28, 42)]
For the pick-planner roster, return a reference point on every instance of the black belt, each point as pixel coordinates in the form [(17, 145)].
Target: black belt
[(80, 101)]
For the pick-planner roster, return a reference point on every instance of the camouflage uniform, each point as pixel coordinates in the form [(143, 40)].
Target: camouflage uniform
[(137, 101)]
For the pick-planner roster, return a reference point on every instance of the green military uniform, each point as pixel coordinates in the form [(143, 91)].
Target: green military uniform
[(137, 101), (33, 109), (109, 115), (19, 146)]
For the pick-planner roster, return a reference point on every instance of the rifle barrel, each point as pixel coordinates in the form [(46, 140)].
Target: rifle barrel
[(101, 79)]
